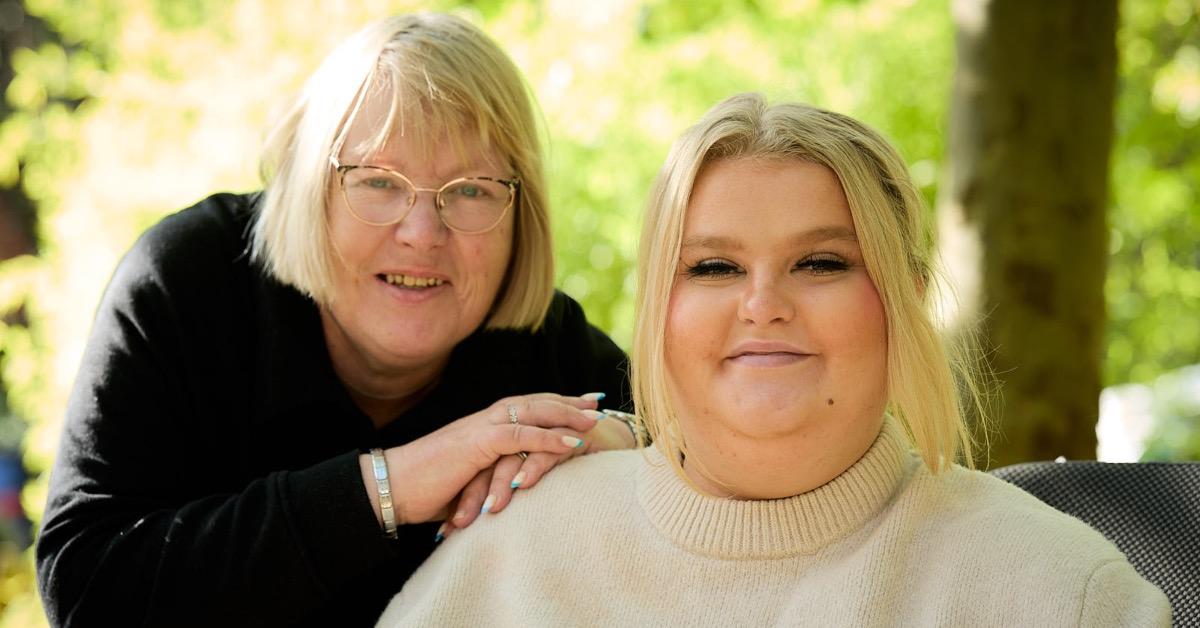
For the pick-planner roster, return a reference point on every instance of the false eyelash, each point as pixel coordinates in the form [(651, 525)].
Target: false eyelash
[(823, 264), (711, 268)]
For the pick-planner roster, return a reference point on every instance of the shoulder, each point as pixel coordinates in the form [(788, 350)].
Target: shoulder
[(189, 250), (567, 502), (603, 478), (565, 313), (585, 355), (566, 354), (579, 507), (974, 505), (984, 534), (215, 227)]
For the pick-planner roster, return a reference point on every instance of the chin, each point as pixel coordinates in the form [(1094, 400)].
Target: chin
[(414, 340), (772, 423)]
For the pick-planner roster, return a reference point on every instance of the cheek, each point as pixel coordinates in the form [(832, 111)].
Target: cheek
[(862, 322), (486, 259), (694, 331), (352, 244)]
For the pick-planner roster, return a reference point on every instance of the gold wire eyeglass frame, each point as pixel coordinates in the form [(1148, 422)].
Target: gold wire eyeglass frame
[(513, 184)]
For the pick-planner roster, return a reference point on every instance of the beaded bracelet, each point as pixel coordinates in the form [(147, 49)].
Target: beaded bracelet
[(379, 463)]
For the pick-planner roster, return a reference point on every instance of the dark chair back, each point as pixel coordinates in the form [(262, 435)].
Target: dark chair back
[(1151, 510)]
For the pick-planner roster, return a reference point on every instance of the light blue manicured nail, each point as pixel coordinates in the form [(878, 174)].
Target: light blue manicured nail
[(593, 396), (438, 537), (487, 504), (515, 484), (594, 414)]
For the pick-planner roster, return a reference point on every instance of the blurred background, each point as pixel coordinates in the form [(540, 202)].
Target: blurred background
[(1080, 126)]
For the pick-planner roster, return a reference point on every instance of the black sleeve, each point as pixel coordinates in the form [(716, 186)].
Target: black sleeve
[(147, 521), (593, 362)]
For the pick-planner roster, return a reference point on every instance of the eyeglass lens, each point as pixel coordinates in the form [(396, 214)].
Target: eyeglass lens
[(381, 197)]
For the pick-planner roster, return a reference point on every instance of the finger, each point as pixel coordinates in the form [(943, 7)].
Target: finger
[(443, 531), (582, 402), (470, 500), (539, 464), (553, 413), (510, 439), (536, 466), (501, 489)]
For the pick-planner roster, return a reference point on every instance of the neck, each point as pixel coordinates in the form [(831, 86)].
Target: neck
[(381, 391), (740, 466)]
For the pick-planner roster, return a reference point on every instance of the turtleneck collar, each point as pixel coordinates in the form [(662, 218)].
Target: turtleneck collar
[(774, 528)]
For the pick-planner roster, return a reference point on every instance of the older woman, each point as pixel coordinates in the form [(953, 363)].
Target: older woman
[(806, 425), (283, 389)]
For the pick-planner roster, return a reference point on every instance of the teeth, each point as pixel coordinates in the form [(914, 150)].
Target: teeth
[(409, 281)]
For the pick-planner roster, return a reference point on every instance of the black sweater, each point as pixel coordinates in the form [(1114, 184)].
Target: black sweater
[(208, 470)]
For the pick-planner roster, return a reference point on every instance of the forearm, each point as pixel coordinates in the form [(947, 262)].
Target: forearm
[(267, 555)]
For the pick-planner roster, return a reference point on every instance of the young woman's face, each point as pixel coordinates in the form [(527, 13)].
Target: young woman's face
[(774, 329), (405, 294)]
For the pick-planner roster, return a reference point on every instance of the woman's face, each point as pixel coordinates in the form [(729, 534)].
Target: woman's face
[(775, 332), (406, 294)]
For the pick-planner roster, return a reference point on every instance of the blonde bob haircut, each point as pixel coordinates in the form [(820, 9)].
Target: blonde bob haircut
[(444, 78), (889, 219)]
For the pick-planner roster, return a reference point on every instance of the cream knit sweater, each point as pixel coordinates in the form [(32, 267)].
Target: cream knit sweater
[(617, 539)]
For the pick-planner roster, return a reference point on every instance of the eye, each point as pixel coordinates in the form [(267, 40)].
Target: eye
[(469, 190), (822, 264), (378, 183), (713, 268)]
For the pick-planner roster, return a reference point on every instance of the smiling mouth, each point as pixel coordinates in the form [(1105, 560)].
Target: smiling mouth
[(768, 358), (411, 282)]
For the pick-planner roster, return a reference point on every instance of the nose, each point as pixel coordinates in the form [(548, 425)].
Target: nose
[(766, 301), (422, 227)]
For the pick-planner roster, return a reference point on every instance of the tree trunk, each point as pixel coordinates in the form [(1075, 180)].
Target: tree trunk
[(1022, 214), (18, 219)]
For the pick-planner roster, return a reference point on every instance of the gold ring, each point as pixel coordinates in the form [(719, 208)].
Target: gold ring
[(523, 455)]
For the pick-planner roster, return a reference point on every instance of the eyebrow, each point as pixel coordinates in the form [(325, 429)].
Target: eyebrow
[(812, 236)]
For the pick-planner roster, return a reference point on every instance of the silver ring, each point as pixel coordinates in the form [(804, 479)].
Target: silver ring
[(512, 418)]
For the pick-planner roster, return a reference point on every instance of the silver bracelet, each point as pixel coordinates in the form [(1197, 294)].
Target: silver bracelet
[(379, 463), (641, 437)]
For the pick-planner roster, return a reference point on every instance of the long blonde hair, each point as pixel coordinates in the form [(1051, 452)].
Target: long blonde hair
[(443, 76), (890, 221)]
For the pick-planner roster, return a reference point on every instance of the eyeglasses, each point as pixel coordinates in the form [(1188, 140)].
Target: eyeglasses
[(381, 196)]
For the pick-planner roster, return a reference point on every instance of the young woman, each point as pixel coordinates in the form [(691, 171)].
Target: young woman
[(805, 421)]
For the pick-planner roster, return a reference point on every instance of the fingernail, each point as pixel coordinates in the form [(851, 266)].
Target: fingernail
[(596, 396), (516, 481), (462, 514), (487, 504), (593, 414), (441, 534), (572, 441)]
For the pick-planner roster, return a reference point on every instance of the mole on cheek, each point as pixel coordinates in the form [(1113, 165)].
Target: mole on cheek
[(829, 402)]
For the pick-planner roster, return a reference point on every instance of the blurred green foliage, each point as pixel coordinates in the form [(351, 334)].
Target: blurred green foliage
[(148, 105), (1153, 284), (1175, 404)]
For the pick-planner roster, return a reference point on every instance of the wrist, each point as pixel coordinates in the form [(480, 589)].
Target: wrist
[(377, 481), (633, 426)]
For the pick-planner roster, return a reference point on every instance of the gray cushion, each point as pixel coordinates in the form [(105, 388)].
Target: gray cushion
[(1151, 510)]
